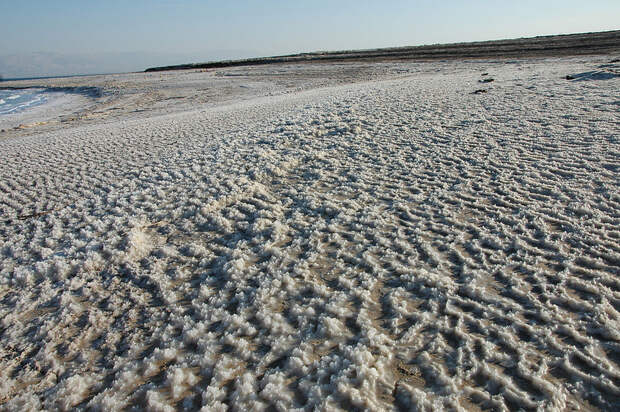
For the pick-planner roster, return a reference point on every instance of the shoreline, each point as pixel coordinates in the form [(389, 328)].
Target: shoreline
[(59, 102)]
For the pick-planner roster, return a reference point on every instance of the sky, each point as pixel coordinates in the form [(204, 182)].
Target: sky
[(54, 37)]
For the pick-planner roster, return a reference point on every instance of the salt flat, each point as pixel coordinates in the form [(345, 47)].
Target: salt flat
[(394, 241)]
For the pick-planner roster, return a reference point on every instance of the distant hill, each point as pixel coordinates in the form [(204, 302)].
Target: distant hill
[(542, 46)]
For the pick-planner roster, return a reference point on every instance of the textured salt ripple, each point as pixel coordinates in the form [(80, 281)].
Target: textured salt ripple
[(391, 245)]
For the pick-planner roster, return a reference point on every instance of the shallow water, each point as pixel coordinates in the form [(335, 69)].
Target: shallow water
[(13, 101)]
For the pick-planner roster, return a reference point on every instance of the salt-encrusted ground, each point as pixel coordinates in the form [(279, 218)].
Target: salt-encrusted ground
[(394, 244)]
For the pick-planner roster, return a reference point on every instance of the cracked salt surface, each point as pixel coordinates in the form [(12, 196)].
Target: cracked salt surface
[(394, 244)]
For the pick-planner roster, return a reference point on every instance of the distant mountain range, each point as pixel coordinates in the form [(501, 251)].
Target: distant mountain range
[(20, 65)]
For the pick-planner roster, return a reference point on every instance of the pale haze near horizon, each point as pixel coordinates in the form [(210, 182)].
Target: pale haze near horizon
[(40, 38)]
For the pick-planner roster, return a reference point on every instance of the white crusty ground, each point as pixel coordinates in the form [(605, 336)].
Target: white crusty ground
[(390, 245)]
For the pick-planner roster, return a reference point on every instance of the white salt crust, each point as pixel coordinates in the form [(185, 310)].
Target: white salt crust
[(389, 245)]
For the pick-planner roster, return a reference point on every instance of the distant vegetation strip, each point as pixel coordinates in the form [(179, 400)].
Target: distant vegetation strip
[(542, 46)]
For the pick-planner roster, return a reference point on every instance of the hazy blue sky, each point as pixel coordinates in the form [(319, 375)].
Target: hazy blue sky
[(65, 36)]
